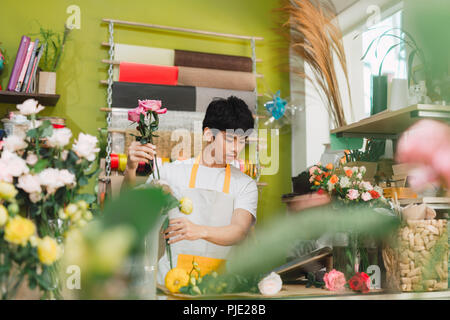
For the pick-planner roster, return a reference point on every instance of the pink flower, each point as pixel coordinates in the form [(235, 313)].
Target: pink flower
[(427, 143), (152, 105), (135, 114), (366, 196), (334, 280), (352, 194), (32, 159)]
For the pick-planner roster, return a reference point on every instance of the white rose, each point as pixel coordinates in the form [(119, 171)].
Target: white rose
[(365, 185), (355, 169), (32, 159), (59, 138), (35, 197), (362, 169), (64, 155), (366, 196), (30, 106), (270, 285), (85, 146), (29, 183), (5, 175), (50, 179), (16, 166), (14, 143), (67, 178), (359, 176), (344, 182)]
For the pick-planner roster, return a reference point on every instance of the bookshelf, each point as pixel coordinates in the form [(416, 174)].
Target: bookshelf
[(12, 97)]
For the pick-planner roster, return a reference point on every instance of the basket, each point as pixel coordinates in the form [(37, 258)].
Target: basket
[(416, 258)]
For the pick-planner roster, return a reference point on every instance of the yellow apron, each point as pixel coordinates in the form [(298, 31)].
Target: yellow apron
[(210, 208)]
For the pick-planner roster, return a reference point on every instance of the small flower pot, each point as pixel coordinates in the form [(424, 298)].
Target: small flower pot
[(47, 82)]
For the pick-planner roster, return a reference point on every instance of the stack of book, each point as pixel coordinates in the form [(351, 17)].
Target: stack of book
[(23, 75)]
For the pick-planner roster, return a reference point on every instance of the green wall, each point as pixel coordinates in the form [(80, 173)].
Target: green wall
[(81, 68)]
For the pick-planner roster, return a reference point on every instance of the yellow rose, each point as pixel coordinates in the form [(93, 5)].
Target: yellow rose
[(19, 230), (48, 250), (186, 205), (3, 215), (7, 190)]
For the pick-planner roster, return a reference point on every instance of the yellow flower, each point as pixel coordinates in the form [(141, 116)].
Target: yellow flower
[(82, 204), (7, 190), (186, 205), (48, 250), (19, 230), (3, 215), (175, 279)]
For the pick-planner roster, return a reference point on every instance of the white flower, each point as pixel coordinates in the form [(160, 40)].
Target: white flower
[(366, 196), (344, 182), (64, 155), (29, 183), (35, 197), (30, 106), (355, 169), (365, 185), (50, 179), (59, 138), (85, 146), (15, 165), (270, 285), (32, 159), (67, 178), (5, 175), (14, 143), (362, 169), (330, 186), (359, 176)]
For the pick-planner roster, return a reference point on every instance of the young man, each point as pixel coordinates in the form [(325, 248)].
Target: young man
[(224, 199)]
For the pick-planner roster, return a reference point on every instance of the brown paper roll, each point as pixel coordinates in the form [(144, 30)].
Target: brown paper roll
[(212, 61), (211, 78)]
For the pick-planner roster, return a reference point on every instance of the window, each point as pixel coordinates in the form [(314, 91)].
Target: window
[(394, 65)]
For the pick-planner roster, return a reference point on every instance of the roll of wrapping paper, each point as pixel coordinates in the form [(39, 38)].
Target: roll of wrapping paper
[(114, 161), (148, 73), (212, 61), (213, 78), (142, 54), (127, 94), (204, 96)]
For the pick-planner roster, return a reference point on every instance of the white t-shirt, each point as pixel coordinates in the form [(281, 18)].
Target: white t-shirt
[(243, 188)]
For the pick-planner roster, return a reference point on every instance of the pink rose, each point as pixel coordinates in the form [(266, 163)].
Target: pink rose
[(135, 114), (366, 196), (334, 280), (152, 105), (352, 194)]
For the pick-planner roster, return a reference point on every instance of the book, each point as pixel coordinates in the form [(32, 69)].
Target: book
[(20, 57), (32, 83), (30, 66), (24, 67)]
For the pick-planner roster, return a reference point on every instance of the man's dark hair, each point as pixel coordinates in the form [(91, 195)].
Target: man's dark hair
[(231, 113)]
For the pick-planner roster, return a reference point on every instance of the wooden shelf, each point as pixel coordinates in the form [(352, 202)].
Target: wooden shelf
[(47, 100), (390, 124)]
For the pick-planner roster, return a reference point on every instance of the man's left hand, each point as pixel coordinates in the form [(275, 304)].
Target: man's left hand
[(183, 229)]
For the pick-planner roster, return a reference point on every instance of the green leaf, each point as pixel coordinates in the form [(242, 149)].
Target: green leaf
[(40, 165), (32, 133), (89, 198)]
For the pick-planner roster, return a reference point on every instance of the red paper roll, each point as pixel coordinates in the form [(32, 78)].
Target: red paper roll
[(147, 73), (114, 161)]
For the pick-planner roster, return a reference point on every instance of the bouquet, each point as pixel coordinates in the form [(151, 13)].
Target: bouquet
[(347, 186), (41, 200), (146, 116)]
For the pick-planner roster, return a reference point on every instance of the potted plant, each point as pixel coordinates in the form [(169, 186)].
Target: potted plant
[(53, 45)]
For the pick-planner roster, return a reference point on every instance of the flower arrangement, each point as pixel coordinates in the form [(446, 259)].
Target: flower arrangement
[(41, 200), (335, 281), (146, 116), (347, 186)]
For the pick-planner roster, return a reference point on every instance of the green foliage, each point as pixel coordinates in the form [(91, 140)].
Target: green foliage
[(374, 149)]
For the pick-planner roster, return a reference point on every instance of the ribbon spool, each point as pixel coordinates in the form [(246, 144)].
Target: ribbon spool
[(122, 162), (58, 126), (114, 161)]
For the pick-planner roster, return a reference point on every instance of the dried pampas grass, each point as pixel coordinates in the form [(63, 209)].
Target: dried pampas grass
[(315, 37)]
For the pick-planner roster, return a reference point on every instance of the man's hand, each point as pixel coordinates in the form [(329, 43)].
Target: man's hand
[(183, 229), (138, 152)]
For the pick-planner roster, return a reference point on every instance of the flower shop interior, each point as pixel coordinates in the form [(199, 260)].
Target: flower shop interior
[(336, 188)]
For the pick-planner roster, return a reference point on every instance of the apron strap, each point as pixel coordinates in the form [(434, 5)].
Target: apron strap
[(226, 183)]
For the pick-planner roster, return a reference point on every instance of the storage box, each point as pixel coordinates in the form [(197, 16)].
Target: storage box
[(416, 258)]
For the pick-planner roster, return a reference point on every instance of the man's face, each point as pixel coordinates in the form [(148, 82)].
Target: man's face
[(226, 146)]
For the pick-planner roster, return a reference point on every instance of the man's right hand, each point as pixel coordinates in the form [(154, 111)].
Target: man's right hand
[(138, 152)]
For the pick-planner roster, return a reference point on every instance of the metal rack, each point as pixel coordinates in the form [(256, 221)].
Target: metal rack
[(112, 22)]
